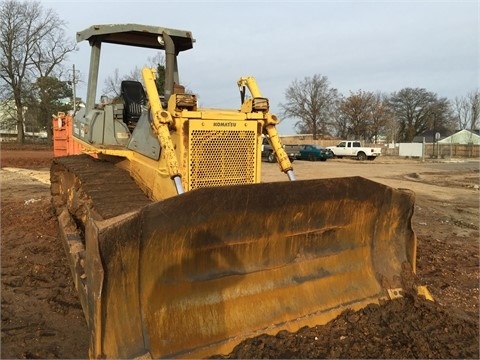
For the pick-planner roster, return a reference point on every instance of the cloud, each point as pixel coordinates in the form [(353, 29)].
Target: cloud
[(370, 45)]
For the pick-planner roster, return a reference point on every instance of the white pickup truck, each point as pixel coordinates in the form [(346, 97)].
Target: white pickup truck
[(356, 150)]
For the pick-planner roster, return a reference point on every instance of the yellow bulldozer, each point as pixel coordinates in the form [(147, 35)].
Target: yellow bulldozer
[(176, 247)]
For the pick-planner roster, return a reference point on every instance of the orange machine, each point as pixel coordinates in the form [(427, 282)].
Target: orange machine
[(63, 143)]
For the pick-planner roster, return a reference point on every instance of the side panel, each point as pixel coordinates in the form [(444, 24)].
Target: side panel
[(102, 127), (63, 142), (143, 140)]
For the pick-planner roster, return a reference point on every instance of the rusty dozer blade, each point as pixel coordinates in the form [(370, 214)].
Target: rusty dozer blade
[(194, 275)]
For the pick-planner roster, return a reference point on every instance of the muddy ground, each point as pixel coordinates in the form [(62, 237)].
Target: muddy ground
[(42, 318)]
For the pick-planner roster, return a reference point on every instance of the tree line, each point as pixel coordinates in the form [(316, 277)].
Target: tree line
[(33, 49), (322, 111), (34, 79)]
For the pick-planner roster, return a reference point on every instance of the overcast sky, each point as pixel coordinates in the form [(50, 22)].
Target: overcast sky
[(369, 45)]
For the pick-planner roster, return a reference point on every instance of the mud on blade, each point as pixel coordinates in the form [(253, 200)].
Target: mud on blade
[(196, 274)]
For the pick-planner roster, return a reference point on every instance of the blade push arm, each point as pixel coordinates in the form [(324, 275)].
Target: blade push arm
[(161, 120), (270, 123)]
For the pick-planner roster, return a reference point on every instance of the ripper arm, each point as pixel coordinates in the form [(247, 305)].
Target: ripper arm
[(270, 122)]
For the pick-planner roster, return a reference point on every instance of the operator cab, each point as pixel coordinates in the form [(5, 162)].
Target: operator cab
[(134, 99)]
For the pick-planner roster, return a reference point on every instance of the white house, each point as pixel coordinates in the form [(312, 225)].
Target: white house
[(463, 137)]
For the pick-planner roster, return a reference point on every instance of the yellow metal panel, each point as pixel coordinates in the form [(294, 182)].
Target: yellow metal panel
[(206, 113), (222, 153), (222, 115)]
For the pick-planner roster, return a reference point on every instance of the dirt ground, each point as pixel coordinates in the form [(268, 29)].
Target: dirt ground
[(42, 318)]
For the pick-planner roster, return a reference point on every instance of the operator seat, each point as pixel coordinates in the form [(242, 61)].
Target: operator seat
[(134, 98)]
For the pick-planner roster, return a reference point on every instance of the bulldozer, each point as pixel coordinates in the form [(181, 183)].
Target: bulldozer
[(178, 249)]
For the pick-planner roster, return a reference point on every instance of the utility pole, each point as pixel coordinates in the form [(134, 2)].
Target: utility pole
[(74, 92), (74, 87)]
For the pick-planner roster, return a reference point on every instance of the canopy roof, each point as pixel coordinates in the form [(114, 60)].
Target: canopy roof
[(136, 35)]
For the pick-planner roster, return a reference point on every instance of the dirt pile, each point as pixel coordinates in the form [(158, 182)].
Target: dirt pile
[(407, 328)]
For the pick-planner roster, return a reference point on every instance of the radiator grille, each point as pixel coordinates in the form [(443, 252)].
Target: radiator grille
[(222, 157)]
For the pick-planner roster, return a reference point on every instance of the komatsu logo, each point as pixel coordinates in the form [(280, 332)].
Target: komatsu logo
[(224, 123)]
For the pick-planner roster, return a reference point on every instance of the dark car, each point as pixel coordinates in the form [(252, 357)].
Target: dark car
[(315, 152), (269, 155)]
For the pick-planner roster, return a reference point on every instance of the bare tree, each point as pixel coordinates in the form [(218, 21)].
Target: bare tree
[(364, 115), (356, 109), (474, 98), (113, 82), (392, 129), (467, 110), (312, 101), (340, 123), (380, 116), (32, 45), (418, 110)]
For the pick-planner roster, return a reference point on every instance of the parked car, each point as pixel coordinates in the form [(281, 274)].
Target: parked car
[(269, 155), (315, 152)]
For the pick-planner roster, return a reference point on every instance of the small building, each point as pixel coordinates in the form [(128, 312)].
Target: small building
[(429, 136), (462, 137), (447, 144)]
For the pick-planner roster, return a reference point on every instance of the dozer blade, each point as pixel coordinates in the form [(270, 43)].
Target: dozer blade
[(194, 275)]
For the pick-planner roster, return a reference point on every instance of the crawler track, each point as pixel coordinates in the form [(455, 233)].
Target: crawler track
[(84, 182), (84, 189)]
